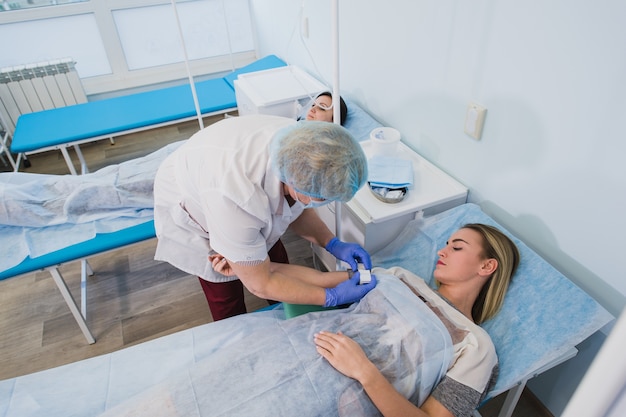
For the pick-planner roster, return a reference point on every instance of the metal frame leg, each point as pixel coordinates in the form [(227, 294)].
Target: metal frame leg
[(68, 160), (71, 303), (81, 158), (5, 149), (512, 397), (513, 394), (85, 270)]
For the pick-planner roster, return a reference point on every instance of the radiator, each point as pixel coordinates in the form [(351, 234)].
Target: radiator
[(35, 87)]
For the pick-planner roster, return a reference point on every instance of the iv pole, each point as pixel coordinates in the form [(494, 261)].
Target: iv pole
[(334, 13), (191, 82)]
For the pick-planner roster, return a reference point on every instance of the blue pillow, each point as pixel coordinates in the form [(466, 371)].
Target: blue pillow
[(359, 122)]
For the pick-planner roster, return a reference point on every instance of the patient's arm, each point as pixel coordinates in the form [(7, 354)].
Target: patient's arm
[(345, 355)]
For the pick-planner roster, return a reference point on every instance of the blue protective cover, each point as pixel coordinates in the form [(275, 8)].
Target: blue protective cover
[(44, 219), (248, 365), (359, 122), (102, 242)]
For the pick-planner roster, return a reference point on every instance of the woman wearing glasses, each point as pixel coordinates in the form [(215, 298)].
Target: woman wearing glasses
[(322, 109)]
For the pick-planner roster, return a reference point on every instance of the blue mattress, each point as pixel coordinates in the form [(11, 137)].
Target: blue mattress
[(100, 243), (109, 117)]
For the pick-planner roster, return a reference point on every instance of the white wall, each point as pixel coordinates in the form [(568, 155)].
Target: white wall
[(549, 165)]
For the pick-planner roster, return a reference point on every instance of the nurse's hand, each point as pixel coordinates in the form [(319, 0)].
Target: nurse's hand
[(352, 253), (221, 265), (349, 291)]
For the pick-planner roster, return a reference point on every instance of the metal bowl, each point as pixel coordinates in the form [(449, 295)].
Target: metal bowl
[(388, 195)]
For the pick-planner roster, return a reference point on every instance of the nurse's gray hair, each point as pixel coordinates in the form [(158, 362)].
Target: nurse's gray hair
[(319, 159)]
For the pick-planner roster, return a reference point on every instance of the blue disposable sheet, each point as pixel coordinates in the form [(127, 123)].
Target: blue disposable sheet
[(100, 243), (47, 220), (250, 365), (389, 172)]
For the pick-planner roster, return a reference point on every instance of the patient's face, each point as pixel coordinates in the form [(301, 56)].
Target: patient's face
[(321, 110), (461, 259)]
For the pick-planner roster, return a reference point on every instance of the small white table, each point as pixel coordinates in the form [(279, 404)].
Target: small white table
[(277, 91), (374, 224)]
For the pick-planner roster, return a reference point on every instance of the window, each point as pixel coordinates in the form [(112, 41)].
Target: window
[(28, 4), (121, 44)]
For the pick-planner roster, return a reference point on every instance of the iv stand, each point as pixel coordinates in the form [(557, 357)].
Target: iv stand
[(191, 82), (334, 13)]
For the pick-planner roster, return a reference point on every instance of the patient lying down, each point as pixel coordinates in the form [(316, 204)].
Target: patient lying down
[(403, 350)]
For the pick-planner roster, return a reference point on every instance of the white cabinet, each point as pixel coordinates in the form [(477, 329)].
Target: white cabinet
[(374, 224), (277, 91)]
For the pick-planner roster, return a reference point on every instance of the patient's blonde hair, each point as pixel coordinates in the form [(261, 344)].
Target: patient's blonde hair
[(498, 246)]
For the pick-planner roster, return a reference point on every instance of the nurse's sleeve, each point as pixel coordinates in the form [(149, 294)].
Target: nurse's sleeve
[(235, 233)]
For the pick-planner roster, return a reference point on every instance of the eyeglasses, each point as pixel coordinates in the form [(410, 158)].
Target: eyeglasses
[(321, 106)]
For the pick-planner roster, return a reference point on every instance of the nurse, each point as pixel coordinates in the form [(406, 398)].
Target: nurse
[(224, 198)]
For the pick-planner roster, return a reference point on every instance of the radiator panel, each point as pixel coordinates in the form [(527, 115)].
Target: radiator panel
[(36, 87)]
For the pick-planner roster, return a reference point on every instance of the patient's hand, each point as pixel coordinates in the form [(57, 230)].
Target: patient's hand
[(221, 265), (343, 353)]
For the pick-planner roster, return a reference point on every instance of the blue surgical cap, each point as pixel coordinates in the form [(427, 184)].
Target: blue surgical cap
[(319, 159)]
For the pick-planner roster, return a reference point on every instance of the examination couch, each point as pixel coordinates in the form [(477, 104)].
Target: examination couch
[(195, 371), (71, 126)]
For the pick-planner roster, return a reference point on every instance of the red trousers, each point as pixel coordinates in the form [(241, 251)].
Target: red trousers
[(226, 298)]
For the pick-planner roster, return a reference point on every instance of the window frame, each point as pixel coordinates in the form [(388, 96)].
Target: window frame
[(121, 78)]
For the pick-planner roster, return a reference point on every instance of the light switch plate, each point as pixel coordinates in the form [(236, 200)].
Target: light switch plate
[(474, 120)]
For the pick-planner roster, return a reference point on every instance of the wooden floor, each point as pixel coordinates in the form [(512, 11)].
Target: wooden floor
[(131, 297)]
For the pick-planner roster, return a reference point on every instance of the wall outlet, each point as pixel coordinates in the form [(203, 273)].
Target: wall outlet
[(474, 120)]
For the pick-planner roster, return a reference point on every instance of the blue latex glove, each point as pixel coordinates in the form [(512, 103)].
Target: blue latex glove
[(348, 291), (351, 253)]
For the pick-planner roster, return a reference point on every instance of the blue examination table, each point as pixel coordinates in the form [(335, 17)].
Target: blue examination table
[(101, 243), (71, 126), (544, 317)]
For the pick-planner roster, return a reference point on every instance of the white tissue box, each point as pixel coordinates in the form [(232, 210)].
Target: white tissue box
[(277, 91)]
